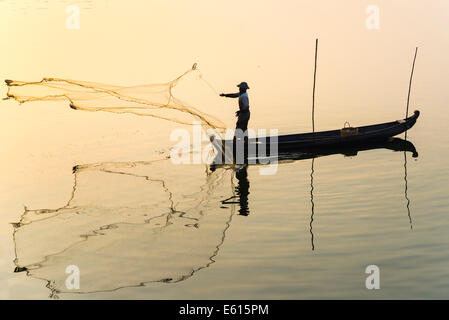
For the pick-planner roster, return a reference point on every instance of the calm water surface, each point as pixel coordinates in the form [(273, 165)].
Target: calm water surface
[(139, 226)]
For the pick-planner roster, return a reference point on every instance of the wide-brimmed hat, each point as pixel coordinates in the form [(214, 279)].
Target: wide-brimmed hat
[(243, 85)]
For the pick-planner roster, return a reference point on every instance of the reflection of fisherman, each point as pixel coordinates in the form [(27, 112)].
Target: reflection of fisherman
[(242, 191), (243, 113)]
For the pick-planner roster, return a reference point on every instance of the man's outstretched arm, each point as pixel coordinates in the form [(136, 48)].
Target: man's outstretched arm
[(230, 95)]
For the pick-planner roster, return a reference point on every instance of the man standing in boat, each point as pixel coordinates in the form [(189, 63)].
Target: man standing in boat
[(243, 112)]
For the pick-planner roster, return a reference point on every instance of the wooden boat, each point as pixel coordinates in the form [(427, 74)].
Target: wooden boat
[(393, 144), (348, 136)]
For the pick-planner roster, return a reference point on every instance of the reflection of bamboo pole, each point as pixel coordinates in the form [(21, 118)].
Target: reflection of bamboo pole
[(406, 190), (313, 204), (410, 87), (314, 81)]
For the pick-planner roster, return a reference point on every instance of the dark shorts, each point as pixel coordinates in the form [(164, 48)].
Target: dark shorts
[(242, 121)]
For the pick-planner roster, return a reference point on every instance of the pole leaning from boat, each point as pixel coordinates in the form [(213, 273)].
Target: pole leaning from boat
[(314, 81), (410, 83)]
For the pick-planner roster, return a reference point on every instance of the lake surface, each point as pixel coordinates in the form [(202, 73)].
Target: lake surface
[(95, 190)]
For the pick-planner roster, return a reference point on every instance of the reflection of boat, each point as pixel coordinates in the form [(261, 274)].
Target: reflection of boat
[(127, 224), (394, 144), (334, 138)]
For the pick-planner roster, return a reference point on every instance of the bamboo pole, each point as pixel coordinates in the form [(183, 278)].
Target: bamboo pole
[(410, 83), (314, 81)]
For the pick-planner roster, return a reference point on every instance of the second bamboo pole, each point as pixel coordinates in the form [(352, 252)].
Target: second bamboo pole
[(314, 81)]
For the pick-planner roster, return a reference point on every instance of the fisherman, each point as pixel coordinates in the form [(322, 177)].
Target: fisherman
[(243, 112)]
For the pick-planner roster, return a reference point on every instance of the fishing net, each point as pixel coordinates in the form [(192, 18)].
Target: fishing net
[(152, 100), (127, 224)]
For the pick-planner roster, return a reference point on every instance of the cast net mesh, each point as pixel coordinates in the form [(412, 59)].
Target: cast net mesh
[(152, 100)]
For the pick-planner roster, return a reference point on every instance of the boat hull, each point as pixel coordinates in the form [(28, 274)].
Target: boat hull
[(268, 146)]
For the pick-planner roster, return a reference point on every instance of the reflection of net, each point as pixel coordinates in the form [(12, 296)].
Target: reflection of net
[(153, 100), (124, 226)]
